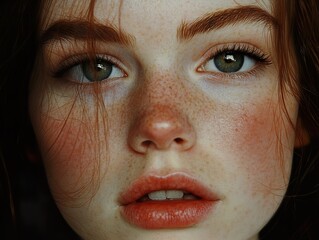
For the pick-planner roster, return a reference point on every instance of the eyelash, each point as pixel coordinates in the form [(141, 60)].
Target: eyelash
[(256, 54), (77, 60), (261, 58)]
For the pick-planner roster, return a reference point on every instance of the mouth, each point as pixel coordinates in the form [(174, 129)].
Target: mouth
[(172, 194), (172, 201)]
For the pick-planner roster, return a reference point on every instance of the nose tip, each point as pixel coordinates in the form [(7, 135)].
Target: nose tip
[(161, 128), (163, 135)]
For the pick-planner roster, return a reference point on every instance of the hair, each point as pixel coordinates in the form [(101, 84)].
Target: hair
[(296, 38), (298, 216), (27, 209)]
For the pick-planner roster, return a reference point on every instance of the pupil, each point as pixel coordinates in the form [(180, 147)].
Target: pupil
[(229, 62)]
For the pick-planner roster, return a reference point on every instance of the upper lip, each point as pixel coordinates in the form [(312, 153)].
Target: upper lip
[(177, 181)]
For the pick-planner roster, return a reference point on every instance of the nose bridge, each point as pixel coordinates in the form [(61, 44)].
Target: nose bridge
[(163, 88)]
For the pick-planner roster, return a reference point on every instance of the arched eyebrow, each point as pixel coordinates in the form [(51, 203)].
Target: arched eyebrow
[(223, 18), (84, 30)]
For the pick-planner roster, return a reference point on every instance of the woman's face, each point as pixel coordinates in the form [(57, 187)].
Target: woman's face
[(181, 136)]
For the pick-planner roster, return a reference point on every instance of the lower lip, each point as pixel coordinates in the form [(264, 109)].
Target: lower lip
[(167, 214)]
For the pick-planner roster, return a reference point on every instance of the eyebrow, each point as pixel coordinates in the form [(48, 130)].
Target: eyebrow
[(84, 30), (223, 18)]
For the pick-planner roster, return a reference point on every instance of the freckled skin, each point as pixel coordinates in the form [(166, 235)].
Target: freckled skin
[(163, 119)]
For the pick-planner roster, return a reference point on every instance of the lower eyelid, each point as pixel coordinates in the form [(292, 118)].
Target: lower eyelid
[(254, 73)]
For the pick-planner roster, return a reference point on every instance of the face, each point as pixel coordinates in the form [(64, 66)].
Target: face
[(175, 129)]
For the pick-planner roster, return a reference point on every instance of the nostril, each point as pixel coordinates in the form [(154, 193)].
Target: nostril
[(146, 143), (179, 140)]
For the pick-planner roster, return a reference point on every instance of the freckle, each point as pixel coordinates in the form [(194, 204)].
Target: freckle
[(130, 165)]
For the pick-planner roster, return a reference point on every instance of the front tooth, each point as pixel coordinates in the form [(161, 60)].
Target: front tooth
[(174, 194), (157, 195)]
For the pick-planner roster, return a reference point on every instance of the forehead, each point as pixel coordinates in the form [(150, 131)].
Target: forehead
[(142, 14)]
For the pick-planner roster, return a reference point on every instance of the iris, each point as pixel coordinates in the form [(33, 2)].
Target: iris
[(229, 62), (98, 70)]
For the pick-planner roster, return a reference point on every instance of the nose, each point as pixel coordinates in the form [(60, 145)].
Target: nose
[(161, 128)]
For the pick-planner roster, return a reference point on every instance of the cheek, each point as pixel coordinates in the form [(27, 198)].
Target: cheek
[(260, 147), (249, 146), (72, 157), (253, 132)]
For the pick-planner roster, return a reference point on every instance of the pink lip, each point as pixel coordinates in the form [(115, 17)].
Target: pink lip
[(167, 213)]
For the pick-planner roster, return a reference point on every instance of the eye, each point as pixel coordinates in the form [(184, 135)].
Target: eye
[(230, 62), (95, 71), (235, 59), (81, 69)]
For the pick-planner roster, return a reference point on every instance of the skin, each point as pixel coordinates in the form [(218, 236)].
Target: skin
[(235, 136)]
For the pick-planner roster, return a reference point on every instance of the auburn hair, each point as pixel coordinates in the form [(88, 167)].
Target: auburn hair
[(296, 40)]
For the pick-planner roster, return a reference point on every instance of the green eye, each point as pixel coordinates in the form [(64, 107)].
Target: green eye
[(229, 62), (86, 71), (98, 70)]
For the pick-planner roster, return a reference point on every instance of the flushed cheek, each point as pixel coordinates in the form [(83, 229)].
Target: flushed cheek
[(244, 162), (259, 150), (71, 155)]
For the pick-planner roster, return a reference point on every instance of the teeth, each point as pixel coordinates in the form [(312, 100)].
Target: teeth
[(174, 194), (168, 194), (158, 195)]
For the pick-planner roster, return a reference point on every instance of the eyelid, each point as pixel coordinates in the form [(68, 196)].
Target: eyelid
[(75, 60), (261, 58)]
